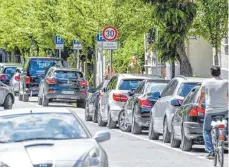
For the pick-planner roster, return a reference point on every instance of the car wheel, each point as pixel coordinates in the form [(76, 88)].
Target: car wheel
[(8, 103), (39, 101), (87, 117), (110, 124), (135, 129), (174, 142), (152, 135), (19, 97), (100, 119), (81, 104), (122, 124), (45, 101), (166, 133), (25, 98), (95, 117), (186, 144)]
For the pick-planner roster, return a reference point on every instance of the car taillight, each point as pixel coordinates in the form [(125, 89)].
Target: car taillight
[(51, 81), (84, 93), (2, 77), (120, 97), (17, 78), (27, 80), (144, 103), (84, 83), (195, 111)]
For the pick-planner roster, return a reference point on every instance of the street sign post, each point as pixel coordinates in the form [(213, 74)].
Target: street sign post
[(110, 34), (77, 47), (59, 44)]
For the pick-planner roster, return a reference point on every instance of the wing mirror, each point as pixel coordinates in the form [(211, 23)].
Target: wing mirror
[(131, 92), (175, 103), (91, 90), (102, 136), (156, 95)]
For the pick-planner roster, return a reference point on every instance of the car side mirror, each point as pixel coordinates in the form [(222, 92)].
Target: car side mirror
[(175, 103), (156, 95), (131, 92), (102, 136), (91, 90)]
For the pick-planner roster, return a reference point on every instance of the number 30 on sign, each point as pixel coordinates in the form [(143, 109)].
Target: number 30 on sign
[(110, 33)]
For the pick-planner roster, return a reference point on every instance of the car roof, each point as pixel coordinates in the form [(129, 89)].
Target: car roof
[(34, 110), (9, 66), (138, 76), (190, 79), (65, 69), (45, 58)]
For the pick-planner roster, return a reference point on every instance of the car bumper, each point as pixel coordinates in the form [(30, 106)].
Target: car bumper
[(59, 97), (16, 87), (143, 117), (193, 130), (115, 114), (33, 91)]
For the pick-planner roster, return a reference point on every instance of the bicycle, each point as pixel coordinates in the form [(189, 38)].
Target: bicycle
[(219, 137)]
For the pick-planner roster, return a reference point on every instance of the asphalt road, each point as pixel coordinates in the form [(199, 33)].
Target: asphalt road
[(128, 150)]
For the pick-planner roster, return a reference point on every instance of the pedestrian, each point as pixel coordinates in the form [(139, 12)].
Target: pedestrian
[(107, 72), (215, 93), (134, 67)]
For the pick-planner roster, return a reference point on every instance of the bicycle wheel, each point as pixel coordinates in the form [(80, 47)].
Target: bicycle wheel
[(215, 143), (221, 153)]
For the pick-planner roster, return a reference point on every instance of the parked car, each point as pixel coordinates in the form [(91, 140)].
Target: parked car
[(14, 81), (49, 137), (6, 96), (91, 108), (6, 73), (63, 85), (116, 95), (162, 111), (33, 72), (136, 113), (187, 122)]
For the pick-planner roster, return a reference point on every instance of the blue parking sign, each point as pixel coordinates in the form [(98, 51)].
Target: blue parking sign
[(59, 40), (100, 38)]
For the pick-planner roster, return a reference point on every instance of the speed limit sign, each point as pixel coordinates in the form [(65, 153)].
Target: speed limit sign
[(110, 33)]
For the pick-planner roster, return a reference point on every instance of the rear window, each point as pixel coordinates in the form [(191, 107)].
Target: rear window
[(10, 70), (67, 74), (129, 84), (155, 87), (185, 88), (39, 66)]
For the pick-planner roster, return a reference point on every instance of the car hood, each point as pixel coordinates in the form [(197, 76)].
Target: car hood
[(63, 153)]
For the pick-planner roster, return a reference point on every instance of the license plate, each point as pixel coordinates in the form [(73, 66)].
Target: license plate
[(68, 92)]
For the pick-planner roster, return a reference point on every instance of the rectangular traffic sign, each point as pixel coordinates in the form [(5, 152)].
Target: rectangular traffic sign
[(59, 42), (110, 45), (100, 38), (77, 45)]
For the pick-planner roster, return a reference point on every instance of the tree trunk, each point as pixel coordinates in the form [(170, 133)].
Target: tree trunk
[(185, 66), (173, 69)]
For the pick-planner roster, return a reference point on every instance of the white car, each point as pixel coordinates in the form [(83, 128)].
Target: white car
[(14, 81)]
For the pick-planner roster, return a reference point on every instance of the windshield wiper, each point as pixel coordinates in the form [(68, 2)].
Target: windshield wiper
[(34, 139)]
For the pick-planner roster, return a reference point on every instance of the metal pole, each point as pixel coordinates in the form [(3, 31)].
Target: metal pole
[(110, 64), (75, 63), (59, 53), (78, 59)]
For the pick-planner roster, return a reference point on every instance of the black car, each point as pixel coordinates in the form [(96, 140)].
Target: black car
[(33, 72), (136, 113), (187, 122), (6, 73), (63, 85), (92, 101)]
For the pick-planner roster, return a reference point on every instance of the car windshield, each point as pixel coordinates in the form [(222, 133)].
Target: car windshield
[(10, 70), (129, 84), (105, 84), (185, 88), (155, 87), (38, 67), (57, 126), (66, 74)]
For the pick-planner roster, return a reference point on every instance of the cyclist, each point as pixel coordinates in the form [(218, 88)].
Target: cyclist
[(215, 93)]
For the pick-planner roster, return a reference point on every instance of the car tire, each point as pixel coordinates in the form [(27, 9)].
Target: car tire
[(122, 126), (110, 124), (100, 119), (186, 144), (152, 134), (25, 98), (81, 104), (174, 142), (94, 117), (19, 97), (135, 129), (87, 117), (39, 101), (166, 133), (45, 101), (8, 103)]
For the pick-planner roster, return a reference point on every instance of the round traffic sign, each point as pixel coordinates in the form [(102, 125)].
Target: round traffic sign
[(110, 33)]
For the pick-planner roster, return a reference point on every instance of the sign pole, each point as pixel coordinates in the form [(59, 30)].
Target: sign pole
[(78, 59), (59, 53), (110, 64), (75, 58)]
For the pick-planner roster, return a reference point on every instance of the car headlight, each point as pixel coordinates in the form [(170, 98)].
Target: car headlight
[(3, 164), (92, 159)]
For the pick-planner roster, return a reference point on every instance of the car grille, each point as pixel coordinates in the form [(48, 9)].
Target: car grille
[(43, 165)]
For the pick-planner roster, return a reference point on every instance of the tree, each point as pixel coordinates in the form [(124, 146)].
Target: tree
[(174, 20), (211, 22)]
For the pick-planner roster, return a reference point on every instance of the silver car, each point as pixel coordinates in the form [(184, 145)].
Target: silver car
[(14, 81), (116, 95), (6, 96), (49, 137)]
